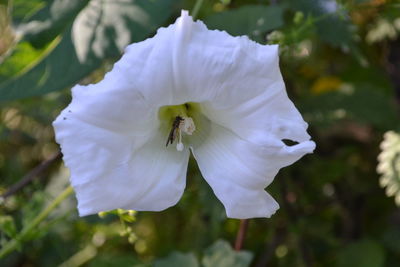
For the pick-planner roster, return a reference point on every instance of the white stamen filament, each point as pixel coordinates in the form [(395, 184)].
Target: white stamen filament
[(179, 145), (186, 126)]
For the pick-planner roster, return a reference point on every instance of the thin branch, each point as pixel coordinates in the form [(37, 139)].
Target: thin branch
[(241, 235), (31, 175)]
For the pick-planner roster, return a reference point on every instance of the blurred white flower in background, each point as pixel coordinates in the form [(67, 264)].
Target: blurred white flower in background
[(221, 97)]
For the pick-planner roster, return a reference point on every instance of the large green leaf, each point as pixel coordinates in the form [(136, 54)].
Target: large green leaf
[(365, 253), (362, 102), (252, 20), (101, 30), (110, 259), (222, 255), (219, 254), (24, 58), (177, 259), (23, 11), (61, 68)]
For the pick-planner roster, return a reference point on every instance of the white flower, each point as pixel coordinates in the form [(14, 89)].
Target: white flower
[(221, 97)]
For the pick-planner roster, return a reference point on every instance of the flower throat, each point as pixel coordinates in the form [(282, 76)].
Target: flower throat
[(179, 120)]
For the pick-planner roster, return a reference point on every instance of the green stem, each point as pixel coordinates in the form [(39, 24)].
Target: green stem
[(13, 244), (196, 8)]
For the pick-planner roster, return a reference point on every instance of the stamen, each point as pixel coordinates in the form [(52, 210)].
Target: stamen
[(179, 145), (187, 125), (180, 125)]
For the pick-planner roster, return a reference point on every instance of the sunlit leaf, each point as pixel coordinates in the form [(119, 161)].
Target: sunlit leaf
[(7, 34), (24, 58), (48, 75), (72, 60)]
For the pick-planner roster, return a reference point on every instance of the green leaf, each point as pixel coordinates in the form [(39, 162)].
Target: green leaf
[(114, 260), (127, 215), (177, 259), (222, 255), (7, 225), (73, 59), (49, 75), (361, 102), (335, 31), (23, 10), (251, 20), (331, 27), (24, 58), (389, 165), (365, 253), (391, 238), (30, 211)]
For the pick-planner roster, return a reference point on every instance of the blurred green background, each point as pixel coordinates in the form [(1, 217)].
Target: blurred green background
[(341, 64)]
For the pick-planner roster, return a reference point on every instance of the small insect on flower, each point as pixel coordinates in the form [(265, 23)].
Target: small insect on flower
[(174, 130), (221, 98)]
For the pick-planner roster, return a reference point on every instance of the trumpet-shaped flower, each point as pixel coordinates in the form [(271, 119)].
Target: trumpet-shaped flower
[(127, 139)]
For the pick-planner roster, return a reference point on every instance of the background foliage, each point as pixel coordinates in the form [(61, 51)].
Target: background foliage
[(341, 64)]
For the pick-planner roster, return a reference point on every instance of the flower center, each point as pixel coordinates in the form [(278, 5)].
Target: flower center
[(179, 121)]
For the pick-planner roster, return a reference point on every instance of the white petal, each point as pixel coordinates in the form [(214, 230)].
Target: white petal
[(269, 113), (186, 62), (238, 171), (217, 66), (237, 80), (113, 104), (263, 118), (111, 170)]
